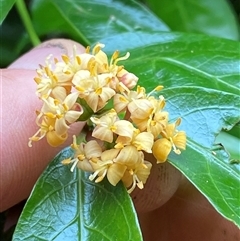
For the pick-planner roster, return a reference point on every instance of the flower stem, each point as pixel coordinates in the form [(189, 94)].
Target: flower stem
[(23, 12)]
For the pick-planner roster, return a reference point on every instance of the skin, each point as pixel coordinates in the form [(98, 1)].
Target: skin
[(186, 216)]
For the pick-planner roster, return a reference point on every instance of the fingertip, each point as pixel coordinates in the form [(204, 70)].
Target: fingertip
[(22, 165)]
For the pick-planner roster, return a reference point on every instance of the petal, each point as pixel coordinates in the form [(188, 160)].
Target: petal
[(161, 149), (107, 93), (124, 128), (143, 171), (85, 165), (59, 93), (60, 126), (63, 73), (180, 140), (119, 102), (85, 59), (140, 123), (127, 179), (115, 173), (72, 115), (55, 140), (103, 133), (109, 155), (155, 129), (92, 101), (48, 105), (122, 141), (71, 99), (144, 141), (80, 76), (101, 58), (169, 130), (92, 149), (128, 156), (141, 108)]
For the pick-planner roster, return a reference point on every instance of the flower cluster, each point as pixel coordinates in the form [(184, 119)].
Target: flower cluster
[(81, 88)]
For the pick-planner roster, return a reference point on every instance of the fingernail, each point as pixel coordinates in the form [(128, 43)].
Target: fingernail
[(38, 55)]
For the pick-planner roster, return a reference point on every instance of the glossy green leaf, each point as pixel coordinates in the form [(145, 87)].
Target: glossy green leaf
[(214, 176), (89, 21), (204, 112), (235, 131), (5, 7), (178, 59), (215, 17), (201, 79), (67, 206), (231, 144)]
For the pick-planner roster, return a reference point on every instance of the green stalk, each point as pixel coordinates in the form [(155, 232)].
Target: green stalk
[(23, 12)]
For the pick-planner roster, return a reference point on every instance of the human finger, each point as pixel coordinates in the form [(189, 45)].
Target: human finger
[(188, 215), (21, 165)]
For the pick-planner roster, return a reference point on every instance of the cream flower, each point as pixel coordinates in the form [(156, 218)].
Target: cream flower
[(107, 166), (103, 65), (116, 163), (101, 93), (84, 153), (109, 124), (82, 87), (156, 123), (129, 156), (171, 139), (105, 126), (119, 74), (140, 109), (65, 113), (48, 84), (138, 174), (122, 100), (55, 117), (55, 78), (143, 141), (71, 65), (47, 129), (94, 89), (157, 120), (82, 81)]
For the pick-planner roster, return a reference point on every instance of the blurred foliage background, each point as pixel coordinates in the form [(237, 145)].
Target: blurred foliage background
[(179, 15)]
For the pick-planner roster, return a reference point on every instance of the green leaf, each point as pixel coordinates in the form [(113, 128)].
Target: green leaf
[(67, 206), (89, 21), (215, 17), (231, 145), (204, 112), (201, 79), (235, 131), (215, 177), (5, 7), (14, 38), (180, 59)]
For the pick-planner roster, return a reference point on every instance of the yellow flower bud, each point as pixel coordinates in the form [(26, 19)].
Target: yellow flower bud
[(54, 139), (161, 149)]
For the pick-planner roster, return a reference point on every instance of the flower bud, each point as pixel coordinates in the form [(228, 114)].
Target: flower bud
[(128, 79)]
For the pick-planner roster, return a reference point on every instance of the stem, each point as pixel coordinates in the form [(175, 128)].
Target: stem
[(23, 12)]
